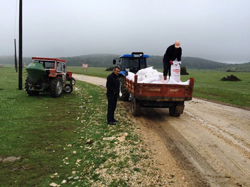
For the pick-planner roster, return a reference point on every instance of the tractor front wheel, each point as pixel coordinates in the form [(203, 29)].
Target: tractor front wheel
[(56, 87), (68, 88), (124, 94), (27, 88)]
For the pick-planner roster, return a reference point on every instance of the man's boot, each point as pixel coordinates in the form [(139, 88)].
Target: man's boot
[(165, 77)]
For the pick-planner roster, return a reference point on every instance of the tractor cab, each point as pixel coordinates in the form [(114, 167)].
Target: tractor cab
[(131, 62), (51, 64)]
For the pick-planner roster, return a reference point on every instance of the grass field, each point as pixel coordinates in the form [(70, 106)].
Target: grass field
[(66, 140), (96, 72), (208, 84), (46, 137)]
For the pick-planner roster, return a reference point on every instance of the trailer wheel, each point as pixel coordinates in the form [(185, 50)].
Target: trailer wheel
[(56, 87), (124, 94), (135, 107), (27, 88), (68, 88), (172, 111)]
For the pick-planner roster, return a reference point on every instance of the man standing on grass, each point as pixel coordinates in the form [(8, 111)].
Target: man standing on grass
[(113, 86)]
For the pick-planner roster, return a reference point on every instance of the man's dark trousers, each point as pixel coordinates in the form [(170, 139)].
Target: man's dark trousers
[(111, 108), (166, 67)]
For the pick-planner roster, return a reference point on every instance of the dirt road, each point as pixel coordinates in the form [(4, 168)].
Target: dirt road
[(209, 144)]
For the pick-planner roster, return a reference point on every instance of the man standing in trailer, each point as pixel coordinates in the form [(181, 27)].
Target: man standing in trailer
[(173, 52)]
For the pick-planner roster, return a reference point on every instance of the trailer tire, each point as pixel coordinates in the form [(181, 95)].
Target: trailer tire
[(56, 87), (72, 81), (124, 94), (135, 107), (172, 111), (30, 92)]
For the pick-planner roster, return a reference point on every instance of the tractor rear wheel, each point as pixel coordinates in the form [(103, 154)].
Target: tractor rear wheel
[(27, 88), (124, 94), (68, 88), (56, 87), (135, 107)]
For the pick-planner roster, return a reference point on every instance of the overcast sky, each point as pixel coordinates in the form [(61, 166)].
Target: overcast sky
[(212, 29)]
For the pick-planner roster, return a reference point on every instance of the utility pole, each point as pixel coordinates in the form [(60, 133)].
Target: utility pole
[(20, 82)]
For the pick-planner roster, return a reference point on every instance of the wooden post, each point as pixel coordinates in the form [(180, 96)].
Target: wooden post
[(15, 58)]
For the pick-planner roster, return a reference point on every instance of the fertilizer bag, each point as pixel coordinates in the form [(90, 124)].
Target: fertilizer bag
[(175, 72)]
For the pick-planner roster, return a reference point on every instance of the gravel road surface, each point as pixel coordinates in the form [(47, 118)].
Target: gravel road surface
[(208, 145)]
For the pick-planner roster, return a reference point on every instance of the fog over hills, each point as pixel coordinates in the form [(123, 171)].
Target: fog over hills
[(208, 29)]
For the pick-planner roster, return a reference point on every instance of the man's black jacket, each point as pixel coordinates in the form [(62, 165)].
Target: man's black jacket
[(113, 85), (172, 53)]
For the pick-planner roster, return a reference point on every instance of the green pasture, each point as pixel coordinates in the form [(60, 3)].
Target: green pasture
[(208, 85), (61, 141), (47, 137), (96, 72)]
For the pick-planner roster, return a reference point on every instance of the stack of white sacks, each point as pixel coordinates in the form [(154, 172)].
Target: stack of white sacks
[(150, 75)]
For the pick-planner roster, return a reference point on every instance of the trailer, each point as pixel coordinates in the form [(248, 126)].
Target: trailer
[(153, 95)]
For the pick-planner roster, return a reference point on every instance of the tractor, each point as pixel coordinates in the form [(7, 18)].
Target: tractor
[(48, 75), (129, 63)]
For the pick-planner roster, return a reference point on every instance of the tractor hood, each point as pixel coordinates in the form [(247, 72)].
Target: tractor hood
[(36, 72)]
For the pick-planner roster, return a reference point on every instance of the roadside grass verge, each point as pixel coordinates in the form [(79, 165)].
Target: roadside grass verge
[(208, 85), (65, 141), (91, 71)]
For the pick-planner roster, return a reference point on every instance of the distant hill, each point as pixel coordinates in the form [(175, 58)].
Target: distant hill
[(237, 67), (189, 62), (9, 60), (94, 60), (106, 60)]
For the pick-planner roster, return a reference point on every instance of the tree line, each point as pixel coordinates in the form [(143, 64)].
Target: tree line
[(106, 60)]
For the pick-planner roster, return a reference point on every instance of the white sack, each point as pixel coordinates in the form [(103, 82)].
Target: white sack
[(150, 75), (131, 76)]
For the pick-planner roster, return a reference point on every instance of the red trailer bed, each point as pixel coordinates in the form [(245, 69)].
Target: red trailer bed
[(170, 96)]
